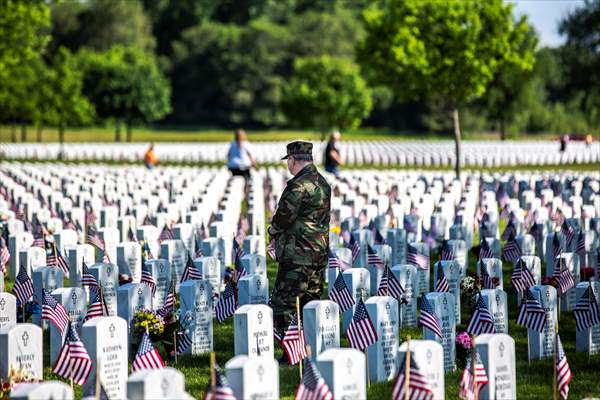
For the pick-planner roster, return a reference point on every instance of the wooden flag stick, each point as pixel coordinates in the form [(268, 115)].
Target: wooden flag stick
[(213, 375), (299, 330), (554, 377), (175, 345), (407, 370), (473, 367), (524, 304)]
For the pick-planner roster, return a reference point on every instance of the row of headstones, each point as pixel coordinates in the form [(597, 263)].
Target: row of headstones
[(354, 153)]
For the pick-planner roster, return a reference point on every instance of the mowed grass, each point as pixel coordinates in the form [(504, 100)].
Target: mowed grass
[(200, 134)]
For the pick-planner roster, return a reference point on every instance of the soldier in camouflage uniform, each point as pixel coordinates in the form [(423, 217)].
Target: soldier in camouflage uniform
[(300, 231)]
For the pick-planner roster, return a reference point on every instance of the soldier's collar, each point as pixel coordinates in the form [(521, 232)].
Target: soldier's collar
[(307, 169)]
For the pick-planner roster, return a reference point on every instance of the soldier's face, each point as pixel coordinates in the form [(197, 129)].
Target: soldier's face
[(290, 165)]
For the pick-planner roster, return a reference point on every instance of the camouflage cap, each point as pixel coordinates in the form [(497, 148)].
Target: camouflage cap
[(298, 147)]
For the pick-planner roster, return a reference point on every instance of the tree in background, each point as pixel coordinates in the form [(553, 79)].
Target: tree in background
[(581, 60), (65, 105), (23, 39), (325, 93), (441, 50), (126, 86), (100, 25)]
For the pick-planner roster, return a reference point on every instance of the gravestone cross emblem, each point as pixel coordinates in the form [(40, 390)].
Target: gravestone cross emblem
[(501, 349), (164, 385), (112, 330), (445, 302), (327, 311), (258, 284), (74, 298), (260, 317), (25, 338), (429, 356), (261, 372), (2, 304), (387, 308), (349, 366)]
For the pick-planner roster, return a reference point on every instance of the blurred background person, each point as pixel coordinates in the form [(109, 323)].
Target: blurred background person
[(333, 159), (150, 159), (239, 157)]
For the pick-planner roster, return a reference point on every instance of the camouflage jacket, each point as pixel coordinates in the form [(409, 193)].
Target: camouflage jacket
[(300, 227)]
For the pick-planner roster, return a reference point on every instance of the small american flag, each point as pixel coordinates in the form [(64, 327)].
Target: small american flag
[(93, 238), (361, 332), (147, 356), (522, 278), (567, 230), (390, 285), (415, 257), (556, 247), (148, 278), (484, 250), (97, 307), (4, 255), (446, 253), (419, 387), (333, 261), (580, 242), (166, 234), (429, 319), (184, 341), (190, 272), (531, 313), (147, 253), (484, 277), (73, 360), (271, 250), (293, 342), (55, 259), (87, 279), (441, 283), (221, 391), (169, 302), (563, 372), (511, 251), (240, 269), (354, 246), (340, 294), (54, 311), (23, 287), (312, 386), (227, 303), (373, 258), (237, 250), (586, 311), (481, 320), (508, 231), (473, 378), (562, 276)]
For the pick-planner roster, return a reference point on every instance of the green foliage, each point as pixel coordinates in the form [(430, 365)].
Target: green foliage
[(100, 25), (326, 92), (125, 84), (448, 50), (23, 38)]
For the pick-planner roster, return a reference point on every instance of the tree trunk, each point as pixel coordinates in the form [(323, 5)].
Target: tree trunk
[(129, 133), (13, 133), (23, 133), (39, 133), (502, 129), (456, 141), (117, 131), (61, 140)]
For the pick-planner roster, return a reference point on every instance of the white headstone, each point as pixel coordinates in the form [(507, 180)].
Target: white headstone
[(196, 315), (107, 277), (321, 326), (541, 345), (253, 377), (151, 384), (359, 284), (497, 304), (344, 371), (429, 356), (129, 260), (106, 340), (74, 301), (210, 268), (161, 271), (408, 278), (8, 310), (383, 360), (497, 352), (443, 306), (588, 340), (452, 272), (253, 289), (48, 390), (21, 347), (253, 331)]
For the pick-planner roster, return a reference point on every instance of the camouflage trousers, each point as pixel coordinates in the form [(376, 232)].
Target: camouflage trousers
[(303, 281)]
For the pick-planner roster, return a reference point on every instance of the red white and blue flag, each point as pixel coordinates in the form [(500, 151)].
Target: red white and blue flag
[(473, 378), (586, 311), (227, 303), (293, 342), (73, 360), (312, 386), (341, 294), (23, 287), (481, 321), (531, 313), (54, 311), (418, 388), (361, 332), (441, 283), (147, 356), (429, 319), (563, 371)]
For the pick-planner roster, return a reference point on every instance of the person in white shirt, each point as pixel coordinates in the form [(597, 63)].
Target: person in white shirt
[(239, 157)]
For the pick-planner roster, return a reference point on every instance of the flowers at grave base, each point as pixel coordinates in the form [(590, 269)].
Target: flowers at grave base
[(469, 289), (587, 273), (150, 320), (15, 378), (464, 346)]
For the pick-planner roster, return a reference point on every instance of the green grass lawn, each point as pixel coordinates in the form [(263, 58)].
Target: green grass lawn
[(195, 134), (534, 380)]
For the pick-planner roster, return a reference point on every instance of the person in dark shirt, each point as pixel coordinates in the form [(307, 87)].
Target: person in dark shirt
[(333, 159)]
